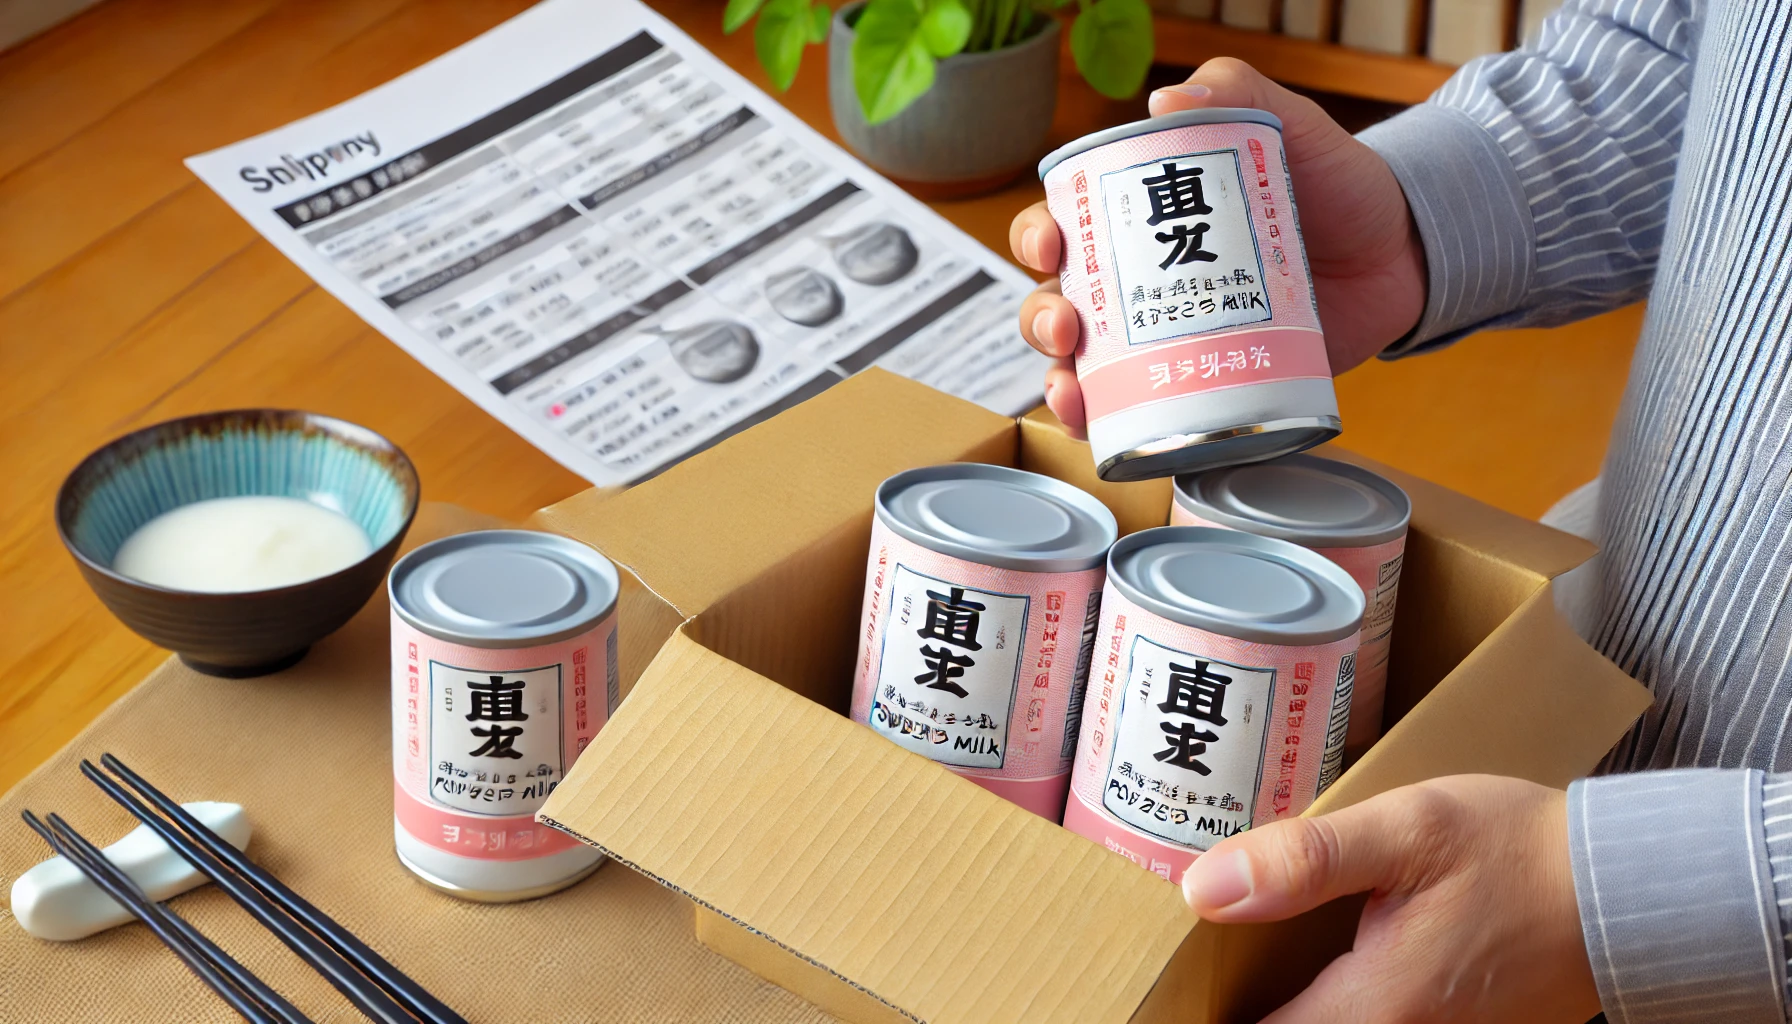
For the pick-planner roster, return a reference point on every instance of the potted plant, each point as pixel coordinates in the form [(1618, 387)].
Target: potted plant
[(949, 97)]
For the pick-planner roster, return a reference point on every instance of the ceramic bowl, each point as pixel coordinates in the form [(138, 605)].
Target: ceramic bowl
[(347, 468)]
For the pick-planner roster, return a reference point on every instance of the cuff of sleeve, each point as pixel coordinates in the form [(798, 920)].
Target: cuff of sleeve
[(1676, 897), (1480, 242)]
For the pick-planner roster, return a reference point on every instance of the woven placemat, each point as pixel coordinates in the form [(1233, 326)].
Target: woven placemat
[(308, 753)]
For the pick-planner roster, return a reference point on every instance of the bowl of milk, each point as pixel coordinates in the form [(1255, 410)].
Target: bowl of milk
[(238, 539)]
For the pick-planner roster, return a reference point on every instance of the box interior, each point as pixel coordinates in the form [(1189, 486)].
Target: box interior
[(883, 886)]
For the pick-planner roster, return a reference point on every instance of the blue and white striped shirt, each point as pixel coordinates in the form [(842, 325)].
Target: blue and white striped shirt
[(1643, 148)]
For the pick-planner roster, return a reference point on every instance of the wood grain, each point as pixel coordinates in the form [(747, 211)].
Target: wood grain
[(130, 293), (1311, 64)]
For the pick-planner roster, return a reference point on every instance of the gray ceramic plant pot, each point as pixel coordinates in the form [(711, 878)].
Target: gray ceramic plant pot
[(983, 123)]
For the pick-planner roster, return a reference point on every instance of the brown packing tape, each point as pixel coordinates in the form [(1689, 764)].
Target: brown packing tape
[(858, 856)]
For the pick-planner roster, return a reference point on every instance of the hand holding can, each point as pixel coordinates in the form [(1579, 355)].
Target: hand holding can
[(1367, 260), (1201, 343)]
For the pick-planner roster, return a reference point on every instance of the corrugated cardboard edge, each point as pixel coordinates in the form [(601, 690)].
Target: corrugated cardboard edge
[(781, 975), (792, 971), (756, 940), (846, 869)]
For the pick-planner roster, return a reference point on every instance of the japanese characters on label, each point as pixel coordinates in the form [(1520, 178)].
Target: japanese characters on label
[(494, 738), (950, 668), (1079, 684), (1185, 255), (1188, 745), (1383, 597), (1338, 726)]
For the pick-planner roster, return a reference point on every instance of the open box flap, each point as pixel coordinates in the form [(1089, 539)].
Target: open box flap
[(716, 520), (763, 497), (1532, 702), (938, 898)]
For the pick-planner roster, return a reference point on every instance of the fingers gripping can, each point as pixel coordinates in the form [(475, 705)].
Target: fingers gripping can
[(981, 597), (1201, 343), (1353, 517), (1219, 692), (503, 669)]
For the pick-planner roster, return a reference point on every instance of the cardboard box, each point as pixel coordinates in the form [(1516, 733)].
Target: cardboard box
[(883, 887)]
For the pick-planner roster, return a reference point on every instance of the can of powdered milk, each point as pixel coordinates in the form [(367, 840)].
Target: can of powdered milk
[(1350, 515), (1219, 693), (981, 598), (1201, 343), (503, 669)]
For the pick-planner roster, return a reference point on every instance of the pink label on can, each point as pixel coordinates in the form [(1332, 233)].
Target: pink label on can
[(1376, 569), (1184, 262), (481, 736), (976, 667), (1190, 736)]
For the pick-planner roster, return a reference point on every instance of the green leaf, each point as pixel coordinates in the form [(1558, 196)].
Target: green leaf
[(738, 13), (779, 38), (945, 28), (891, 64), (1112, 44), (820, 21)]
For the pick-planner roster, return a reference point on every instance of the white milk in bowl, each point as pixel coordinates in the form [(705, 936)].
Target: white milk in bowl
[(240, 544)]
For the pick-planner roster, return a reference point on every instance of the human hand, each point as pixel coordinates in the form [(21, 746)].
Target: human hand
[(1471, 916), (1368, 264)]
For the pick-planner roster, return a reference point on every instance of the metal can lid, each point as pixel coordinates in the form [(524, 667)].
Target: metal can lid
[(1312, 501), (1179, 119), (994, 515), (503, 588), (1240, 585)]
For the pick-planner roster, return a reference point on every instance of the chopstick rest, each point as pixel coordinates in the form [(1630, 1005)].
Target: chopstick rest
[(55, 900), (373, 984), (367, 997), (200, 956)]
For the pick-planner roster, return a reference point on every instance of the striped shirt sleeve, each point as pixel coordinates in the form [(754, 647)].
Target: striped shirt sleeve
[(1679, 897), (1540, 179)]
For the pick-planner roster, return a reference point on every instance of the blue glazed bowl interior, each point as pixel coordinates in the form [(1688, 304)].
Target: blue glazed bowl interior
[(332, 463)]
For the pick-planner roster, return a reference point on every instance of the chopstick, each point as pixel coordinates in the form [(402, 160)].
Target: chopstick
[(245, 979), (368, 997), (176, 938), (399, 985)]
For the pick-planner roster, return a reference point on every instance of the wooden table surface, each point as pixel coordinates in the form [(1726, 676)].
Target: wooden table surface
[(129, 293)]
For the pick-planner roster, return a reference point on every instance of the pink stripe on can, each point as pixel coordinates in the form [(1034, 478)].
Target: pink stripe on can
[(1196, 365)]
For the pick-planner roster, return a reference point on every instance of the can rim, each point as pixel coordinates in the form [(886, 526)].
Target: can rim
[(1293, 555), (592, 559), (1381, 533), (1078, 499), (1177, 119)]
